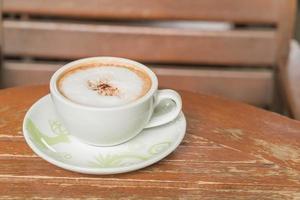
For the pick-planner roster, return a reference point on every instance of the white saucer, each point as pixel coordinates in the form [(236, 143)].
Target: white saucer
[(50, 140)]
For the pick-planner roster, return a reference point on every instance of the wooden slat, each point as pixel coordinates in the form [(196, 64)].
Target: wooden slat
[(253, 87), (20, 73), (147, 44), (255, 11)]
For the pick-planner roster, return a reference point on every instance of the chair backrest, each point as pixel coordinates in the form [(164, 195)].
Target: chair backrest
[(236, 62)]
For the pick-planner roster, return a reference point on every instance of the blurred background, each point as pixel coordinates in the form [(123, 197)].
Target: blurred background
[(245, 50), (297, 24)]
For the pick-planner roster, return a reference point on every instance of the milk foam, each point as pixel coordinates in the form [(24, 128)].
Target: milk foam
[(76, 88)]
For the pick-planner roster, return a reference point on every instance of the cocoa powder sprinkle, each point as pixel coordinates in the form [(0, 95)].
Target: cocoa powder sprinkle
[(103, 88)]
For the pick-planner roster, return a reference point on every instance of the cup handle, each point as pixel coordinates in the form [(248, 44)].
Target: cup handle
[(161, 118)]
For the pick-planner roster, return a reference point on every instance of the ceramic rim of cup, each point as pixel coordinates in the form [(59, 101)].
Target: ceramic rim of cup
[(54, 90)]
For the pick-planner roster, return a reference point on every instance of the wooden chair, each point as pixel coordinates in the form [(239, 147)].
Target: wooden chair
[(242, 63)]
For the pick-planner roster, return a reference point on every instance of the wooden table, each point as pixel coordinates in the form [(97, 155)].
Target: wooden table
[(231, 151)]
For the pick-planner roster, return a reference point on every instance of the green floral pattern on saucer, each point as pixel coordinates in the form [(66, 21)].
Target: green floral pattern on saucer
[(61, 135), (103, 161), (159, 148), (109, 160), (50, 140), (129, 158)]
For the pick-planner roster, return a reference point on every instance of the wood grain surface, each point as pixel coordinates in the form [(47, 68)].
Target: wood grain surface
[(231, 151)]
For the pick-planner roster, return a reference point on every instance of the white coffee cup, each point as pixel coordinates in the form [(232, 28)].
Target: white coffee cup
[(110, 126)]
